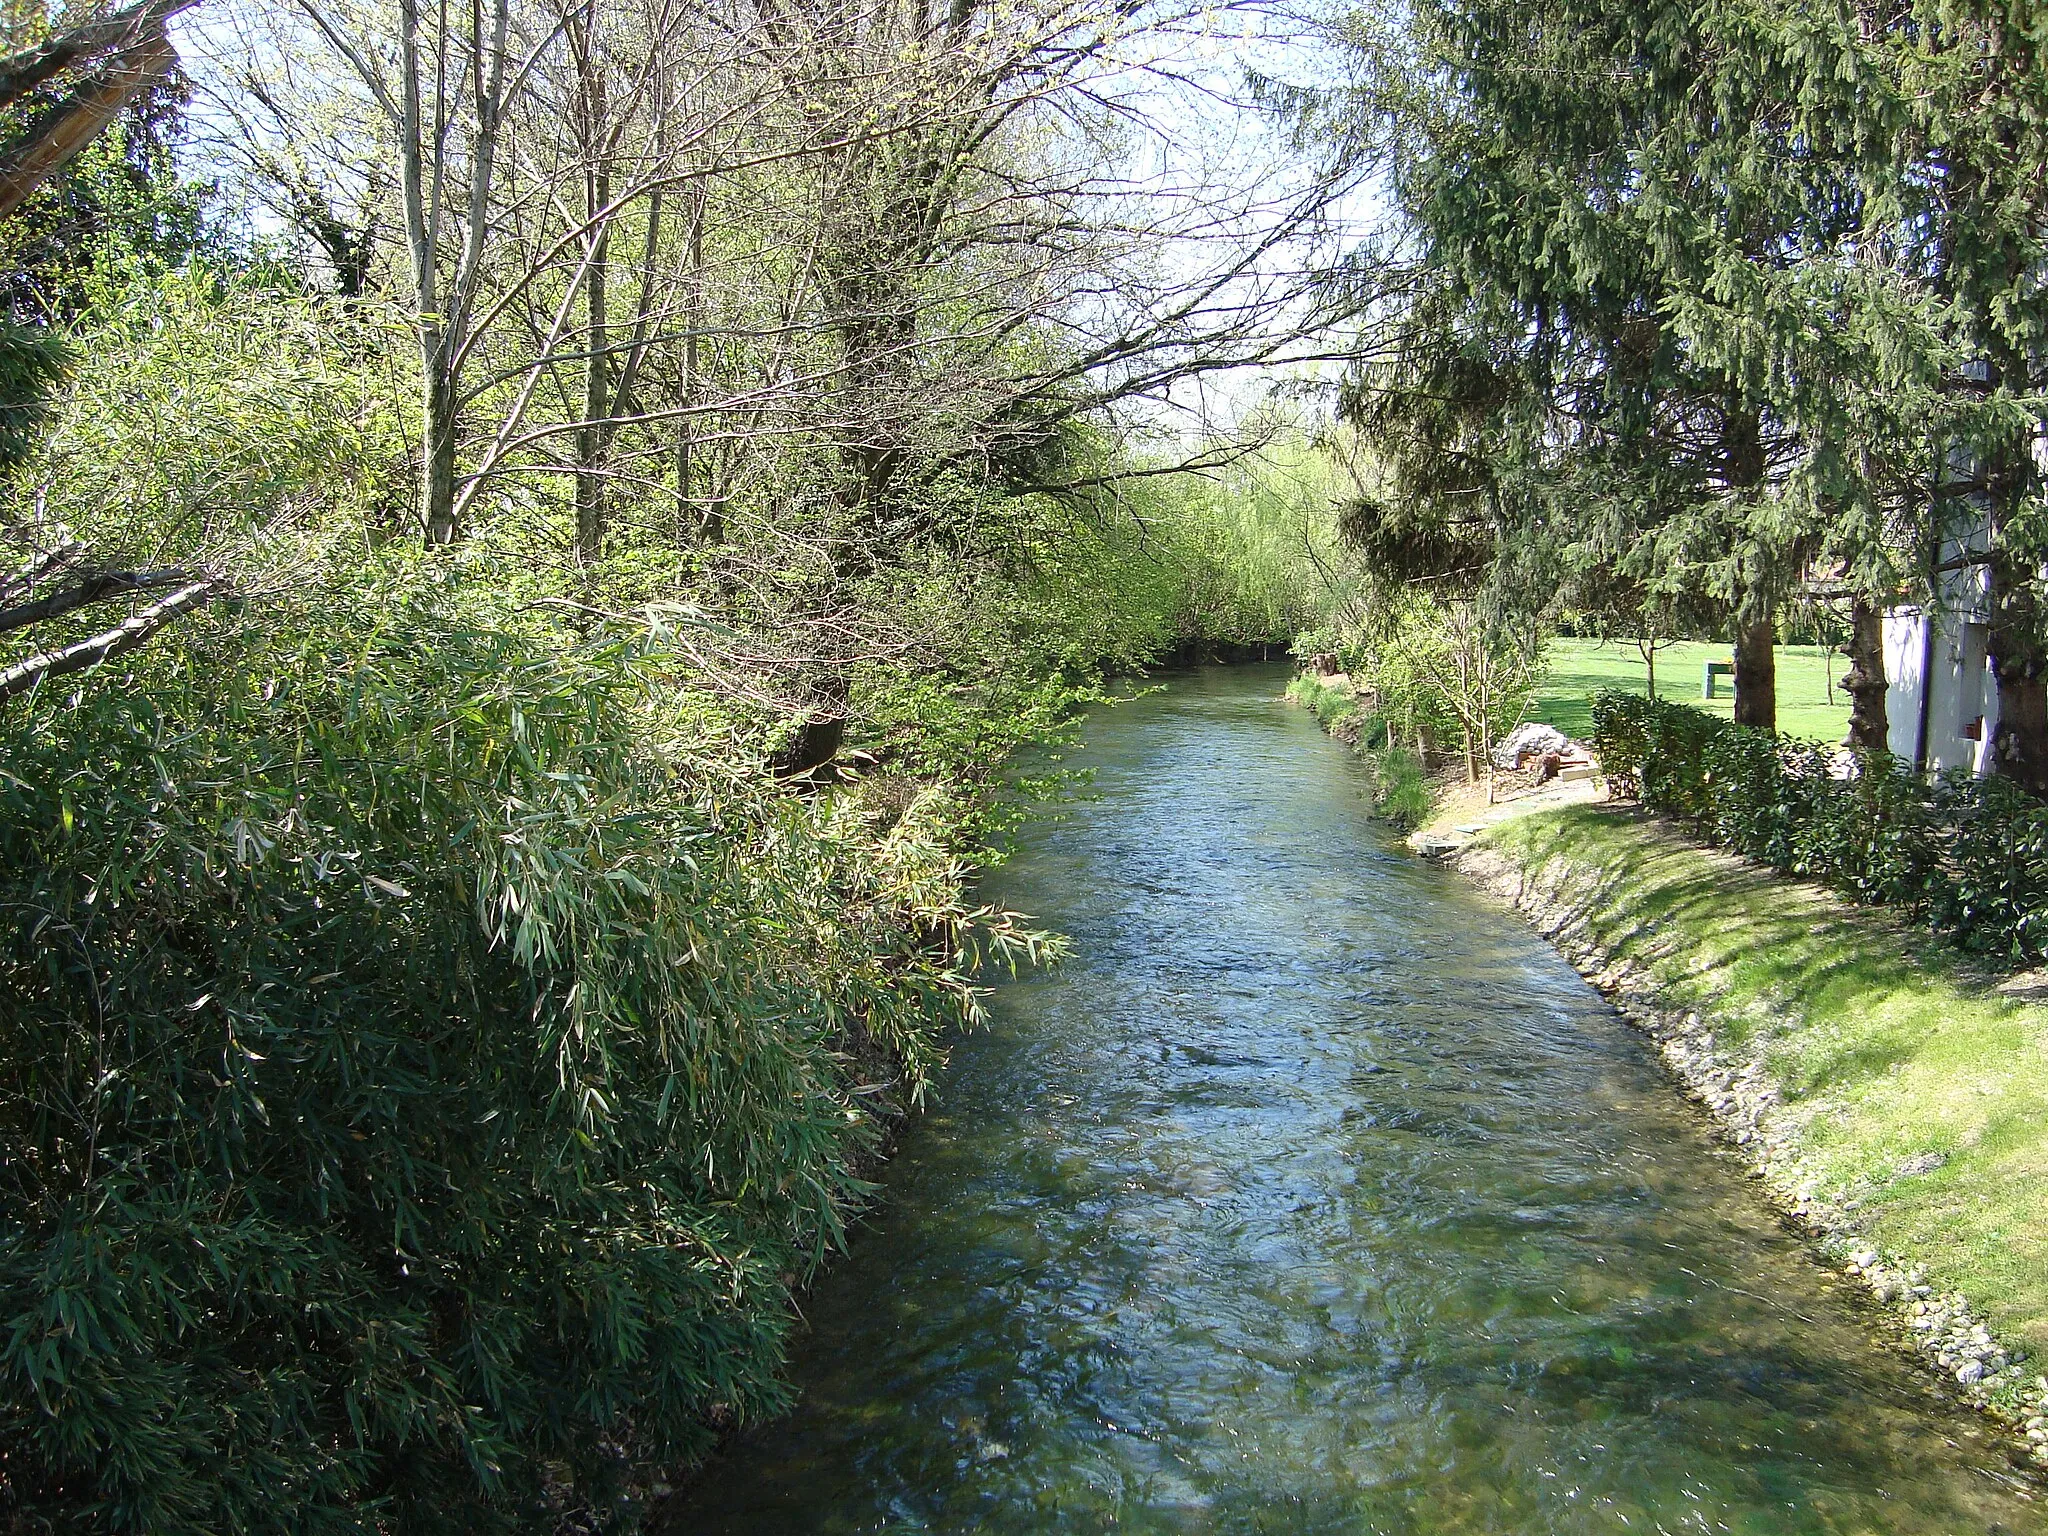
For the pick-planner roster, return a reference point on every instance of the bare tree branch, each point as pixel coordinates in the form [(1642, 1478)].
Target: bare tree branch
[(122, 638), (95, 588)]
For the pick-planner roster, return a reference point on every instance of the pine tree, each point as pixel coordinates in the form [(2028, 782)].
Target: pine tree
[(1686, 226)]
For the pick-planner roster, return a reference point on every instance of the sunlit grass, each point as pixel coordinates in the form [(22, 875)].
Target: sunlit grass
[(1810, 697), (1890, 1045)]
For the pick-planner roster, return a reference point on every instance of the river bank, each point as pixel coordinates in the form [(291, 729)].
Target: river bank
[(1315, 1193), (1889, 1094)]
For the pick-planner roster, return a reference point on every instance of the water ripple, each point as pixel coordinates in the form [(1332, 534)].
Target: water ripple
[(1314, 1196)]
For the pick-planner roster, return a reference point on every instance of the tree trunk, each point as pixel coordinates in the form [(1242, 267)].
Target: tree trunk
[(1756, 672), (597, 399), (438, 349), (592, 436), (692, 525), (2019, 660), (1756, 662), (83, 114), (2017, 644), (1864, 682), (437, 432), (817, 739), (811, 747)]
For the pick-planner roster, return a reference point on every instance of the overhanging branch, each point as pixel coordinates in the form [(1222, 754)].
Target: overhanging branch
[(96, 588), (106, 645)]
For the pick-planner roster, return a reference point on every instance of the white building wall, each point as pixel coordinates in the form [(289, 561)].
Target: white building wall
[(1905, 655), (1941, 700)]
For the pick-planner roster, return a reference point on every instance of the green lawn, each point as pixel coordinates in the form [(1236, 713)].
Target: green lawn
[(1581, 668), (1887, 1045)]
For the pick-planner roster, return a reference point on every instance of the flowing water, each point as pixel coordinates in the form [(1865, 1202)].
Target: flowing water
[(1316, 1195)]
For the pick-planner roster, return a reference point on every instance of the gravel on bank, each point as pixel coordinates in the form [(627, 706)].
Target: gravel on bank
[(1890, 1095)]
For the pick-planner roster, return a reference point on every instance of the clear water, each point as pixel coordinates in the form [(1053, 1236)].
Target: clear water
[(1315, 1195)]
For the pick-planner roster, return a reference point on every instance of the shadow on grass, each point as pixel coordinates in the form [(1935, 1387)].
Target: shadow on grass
[(1895, 1042), (1710, 928)]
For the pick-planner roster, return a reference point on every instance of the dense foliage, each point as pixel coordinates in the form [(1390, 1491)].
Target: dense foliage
[(520, 595), (429, 1067), (1969, 856), (1695, 319)]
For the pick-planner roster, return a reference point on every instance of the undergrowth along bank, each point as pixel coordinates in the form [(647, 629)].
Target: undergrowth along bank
[(433, 1063), (1888, 1092), (1967, 856), (440, 1049), (1401, 794)]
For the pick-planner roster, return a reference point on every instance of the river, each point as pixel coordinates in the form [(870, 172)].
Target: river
[(1316, 1195)]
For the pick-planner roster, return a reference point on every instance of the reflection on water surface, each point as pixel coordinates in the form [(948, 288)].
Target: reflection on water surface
[(1312, 1196)]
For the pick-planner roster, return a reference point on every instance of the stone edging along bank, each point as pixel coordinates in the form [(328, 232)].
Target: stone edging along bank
[(1560, 898)]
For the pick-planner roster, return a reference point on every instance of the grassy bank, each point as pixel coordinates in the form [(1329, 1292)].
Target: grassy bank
[(1401, 792), (1911, 1095), (1810, 697)]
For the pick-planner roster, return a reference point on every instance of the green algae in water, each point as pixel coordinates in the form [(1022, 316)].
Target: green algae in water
[(1314, 1196)]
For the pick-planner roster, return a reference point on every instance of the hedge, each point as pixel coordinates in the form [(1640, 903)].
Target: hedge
[(1967, 856)]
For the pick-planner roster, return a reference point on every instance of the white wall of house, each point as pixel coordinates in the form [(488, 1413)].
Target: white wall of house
[(1941, 699), (1941, 696)]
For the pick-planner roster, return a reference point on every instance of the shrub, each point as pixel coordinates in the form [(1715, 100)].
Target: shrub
[(1874, 835), (1745, 796), (1621, 739), (428, 1073), (1400, 788), (1993, 895), (1969, 856)]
